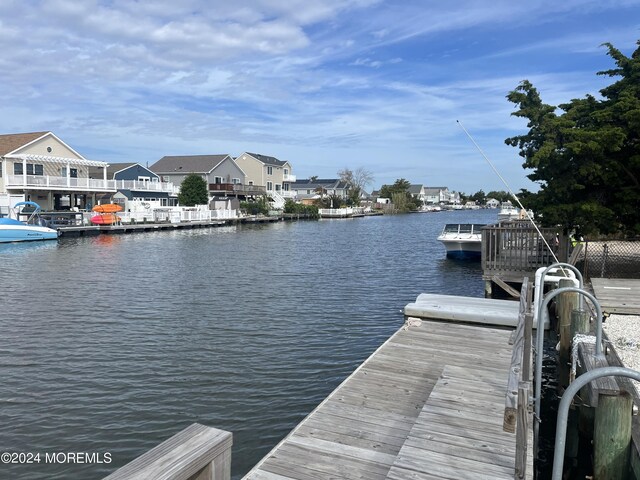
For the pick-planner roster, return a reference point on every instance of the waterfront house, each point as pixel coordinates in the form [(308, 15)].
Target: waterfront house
[(436, 195), (136, 183), (311, 188), (418, 191), (40, 167), (492, 203), (221, 172), (274, 175)]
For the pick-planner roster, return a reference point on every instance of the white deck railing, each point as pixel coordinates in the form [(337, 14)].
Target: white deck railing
[(94, 184), (341, 212), (176, 216)]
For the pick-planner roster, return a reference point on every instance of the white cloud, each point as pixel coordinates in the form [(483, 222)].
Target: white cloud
[(328, 79)]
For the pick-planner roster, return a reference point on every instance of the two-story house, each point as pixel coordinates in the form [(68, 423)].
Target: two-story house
[(40, 167), (268, 172), (313, 187), (418, 191), (436, 195), (136, 183), (222, 174)]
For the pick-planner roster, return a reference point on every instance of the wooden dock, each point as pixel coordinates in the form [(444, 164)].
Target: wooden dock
[(618, 295), (86, 230), (428, 404)]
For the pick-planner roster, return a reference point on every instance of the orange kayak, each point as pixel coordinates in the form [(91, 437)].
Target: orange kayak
[(105, 219), (107, 208)]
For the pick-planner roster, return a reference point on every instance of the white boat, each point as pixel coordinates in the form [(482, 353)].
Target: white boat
[(462, 240), (509, 213), (34, 228)]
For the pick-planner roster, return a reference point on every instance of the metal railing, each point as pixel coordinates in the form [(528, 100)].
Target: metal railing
[(565, 403), (542, 319)]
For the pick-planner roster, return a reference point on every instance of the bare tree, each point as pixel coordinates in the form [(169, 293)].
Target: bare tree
[(359, 178)]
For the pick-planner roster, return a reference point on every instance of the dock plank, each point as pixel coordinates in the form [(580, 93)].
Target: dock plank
[(450, 439), (361, 428), (618, 295)]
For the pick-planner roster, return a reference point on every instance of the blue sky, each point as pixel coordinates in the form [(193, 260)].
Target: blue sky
[(323, 84)]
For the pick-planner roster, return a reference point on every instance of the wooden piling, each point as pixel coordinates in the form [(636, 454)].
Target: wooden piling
[(612, 436), (579, 322), (567, 302), (488, 289)]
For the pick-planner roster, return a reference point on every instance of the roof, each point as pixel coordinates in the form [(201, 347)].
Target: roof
[(434, 190), (13, 141), (415, 189), (187, 163), (267, 160), (112, 169), (308, 184)]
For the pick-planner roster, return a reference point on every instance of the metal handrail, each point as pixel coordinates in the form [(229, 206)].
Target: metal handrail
[(565, 403), (560, 265), (540, 338)]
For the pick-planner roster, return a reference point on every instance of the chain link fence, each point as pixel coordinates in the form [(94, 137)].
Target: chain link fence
[(608, 259)]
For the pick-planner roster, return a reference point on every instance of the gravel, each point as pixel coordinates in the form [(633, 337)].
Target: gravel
[(624, 333)]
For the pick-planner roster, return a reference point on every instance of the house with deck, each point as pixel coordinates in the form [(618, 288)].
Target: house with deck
[(311, 188), (222, 173), (436, 195), (137, 184), (274, 175), (40, 167)]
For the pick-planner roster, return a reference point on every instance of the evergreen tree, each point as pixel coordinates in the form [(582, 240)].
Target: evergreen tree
[(587, 158), (193, 191)]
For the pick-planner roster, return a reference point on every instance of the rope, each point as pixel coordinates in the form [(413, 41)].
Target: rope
[(529, 217), (412, 322)]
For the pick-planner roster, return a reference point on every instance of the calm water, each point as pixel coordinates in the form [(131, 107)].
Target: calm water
[(115, 343)]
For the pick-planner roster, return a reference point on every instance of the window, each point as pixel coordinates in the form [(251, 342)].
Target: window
[(236, 181), (73, 172), (143, 179), (17, 169), (269, 170), (286, 171), (34, 169), (217, 180), (269, 185), (278, 187)]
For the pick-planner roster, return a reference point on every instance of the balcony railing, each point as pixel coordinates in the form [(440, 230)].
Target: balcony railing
[(237, 189), (289, 178), (48, 182)]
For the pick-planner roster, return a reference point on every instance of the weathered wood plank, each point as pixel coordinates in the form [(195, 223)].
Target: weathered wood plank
[(182, 456), (359, 430), (618, 295), (603, 385)]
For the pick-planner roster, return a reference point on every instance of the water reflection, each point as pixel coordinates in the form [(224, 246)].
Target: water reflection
[(131, 338)]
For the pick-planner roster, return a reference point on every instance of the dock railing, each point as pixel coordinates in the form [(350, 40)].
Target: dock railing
[(196, 453), (514, 250), (517, 410)]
